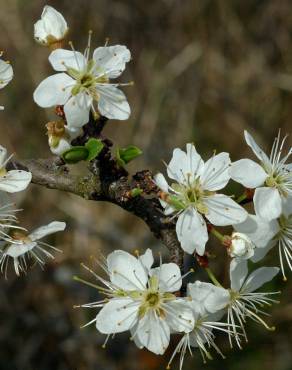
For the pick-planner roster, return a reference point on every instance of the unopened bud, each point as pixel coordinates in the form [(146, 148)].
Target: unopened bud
[(241, 246)]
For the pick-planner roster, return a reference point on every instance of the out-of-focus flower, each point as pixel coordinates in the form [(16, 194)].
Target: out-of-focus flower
[(193, 196), (52, 28), (14, 180), (272, 178), (241, 246), (6, 74), (140, 299), (84, 84), (23, 246)]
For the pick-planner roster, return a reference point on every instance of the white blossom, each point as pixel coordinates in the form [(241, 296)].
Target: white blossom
[(6, 75), (141, 299), (23, 246), (14, 180), (51, 28), (271, 234), (244, 301), (84, 84), (241, 246), (206, 302), (193, 197), (272, 178)]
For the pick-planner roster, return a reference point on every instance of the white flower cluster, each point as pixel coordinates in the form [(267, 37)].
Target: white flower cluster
[(148, 301), (83, 82), (196, 206), (141, 299), (15, 242)]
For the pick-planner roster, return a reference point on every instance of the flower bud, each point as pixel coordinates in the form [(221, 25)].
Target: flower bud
[(241, 246), (51, 29)]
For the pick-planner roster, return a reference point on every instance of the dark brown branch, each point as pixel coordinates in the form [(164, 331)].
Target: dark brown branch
[(107, 183)]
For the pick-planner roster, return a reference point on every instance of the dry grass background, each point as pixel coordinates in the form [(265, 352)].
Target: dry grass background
[(204, 71)]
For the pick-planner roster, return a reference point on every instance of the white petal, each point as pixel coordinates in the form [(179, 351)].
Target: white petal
[(286, 205), (258, 230), (260, 253), (192, 232), (17, 250), (215, 174), (248, 173), (153, 333), (117, 315), (77, 110), (255, 148), (259, 277), (160, 181), (267, 203), (111, 60), (207, 297), (113, 103), (54, 90), (147, 259), (43, 231), (177, 167), (126, 271), (238, 273), (169, 277), (223, 211), (194, 161), (135, 337), (52, 23), (184, 167), (6, 73), (62, 59), (15, 180), (180, 317), (168, 209)]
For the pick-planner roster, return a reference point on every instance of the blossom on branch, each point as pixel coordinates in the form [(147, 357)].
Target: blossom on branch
[(141, 299), (83, 84), (271, 179), (193, 196), (14, 180)]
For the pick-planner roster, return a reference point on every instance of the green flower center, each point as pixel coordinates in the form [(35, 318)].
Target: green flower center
[(191, 195), (86, 79)]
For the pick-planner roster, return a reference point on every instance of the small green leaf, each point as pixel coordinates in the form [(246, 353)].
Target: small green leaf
[(126, 155), (75, 154), (94, 147), (136, 192)]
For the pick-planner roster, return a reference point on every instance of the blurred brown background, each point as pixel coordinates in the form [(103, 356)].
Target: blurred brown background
[(204, 71)]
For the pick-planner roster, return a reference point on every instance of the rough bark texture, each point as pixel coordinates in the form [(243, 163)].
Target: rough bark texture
[(105, 181)]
